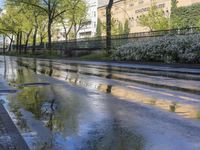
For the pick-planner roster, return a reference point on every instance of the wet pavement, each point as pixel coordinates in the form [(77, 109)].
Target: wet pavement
[(10, 138), (76, 105)]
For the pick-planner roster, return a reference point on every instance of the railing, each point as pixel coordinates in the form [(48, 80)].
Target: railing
[(98, 43)]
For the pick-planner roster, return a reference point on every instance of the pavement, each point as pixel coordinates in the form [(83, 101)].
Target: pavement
[(10, 138)]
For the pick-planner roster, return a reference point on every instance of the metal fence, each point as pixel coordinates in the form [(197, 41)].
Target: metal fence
[(99, 43)]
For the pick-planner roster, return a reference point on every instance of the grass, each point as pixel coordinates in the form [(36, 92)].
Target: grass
[(35, 55), (89, 57), (95, 56)]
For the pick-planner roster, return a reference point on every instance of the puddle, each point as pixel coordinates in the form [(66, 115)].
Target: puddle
[(157, 80), (51, 117), (75, 108)]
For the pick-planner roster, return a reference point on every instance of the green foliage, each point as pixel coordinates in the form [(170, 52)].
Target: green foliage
[(99, 28), (174, 5), (96, 56), (36, 20), (75, 15), (116, 27), (155, 19), (126, 27), (183, 17), (168, 49), (120, 28)]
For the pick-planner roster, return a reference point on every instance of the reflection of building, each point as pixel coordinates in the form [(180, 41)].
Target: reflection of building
[(131, 10)]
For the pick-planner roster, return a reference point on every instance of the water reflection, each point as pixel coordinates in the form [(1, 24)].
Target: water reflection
[(156, 79), (61, 118), (185, 110), (51, 117)]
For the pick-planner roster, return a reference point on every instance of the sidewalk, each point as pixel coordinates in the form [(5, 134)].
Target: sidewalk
[(10, 138)]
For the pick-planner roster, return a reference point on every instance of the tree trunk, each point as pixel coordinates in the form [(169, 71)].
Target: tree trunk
[(108, 26), (10, 45), (26, 42), (17, 43), (75, 31), (49, 37), (34, 39), (20, 42), (41, 40), (4, 44)]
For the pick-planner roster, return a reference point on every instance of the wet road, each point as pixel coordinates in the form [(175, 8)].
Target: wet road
[(100, 106)]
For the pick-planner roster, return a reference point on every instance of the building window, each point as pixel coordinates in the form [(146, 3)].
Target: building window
[(141, 1), (131, 5), (85, 34)]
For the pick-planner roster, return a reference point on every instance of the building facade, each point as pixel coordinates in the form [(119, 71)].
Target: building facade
[(131, 10)]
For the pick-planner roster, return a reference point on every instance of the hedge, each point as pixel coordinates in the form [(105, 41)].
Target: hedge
[(168, 49)]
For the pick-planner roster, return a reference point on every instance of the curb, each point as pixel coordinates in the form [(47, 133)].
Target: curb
[(17, 140)]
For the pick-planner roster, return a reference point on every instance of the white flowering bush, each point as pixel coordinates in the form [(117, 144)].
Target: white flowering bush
[(168, 49)]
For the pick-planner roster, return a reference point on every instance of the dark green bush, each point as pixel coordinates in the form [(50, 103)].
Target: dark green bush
[(168, 49)]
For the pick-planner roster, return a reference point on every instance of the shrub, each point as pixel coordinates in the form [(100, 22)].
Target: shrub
[(168, 49)]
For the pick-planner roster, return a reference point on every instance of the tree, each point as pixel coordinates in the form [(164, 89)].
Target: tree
[(42, 28), (73, 19), (13, 20), (120, 28), (126, 27), (185, 17), (116, 27), (174, 5), (99, 28), (79, 16), (7, 28), (74, 16), (155, 19), (52, 8)]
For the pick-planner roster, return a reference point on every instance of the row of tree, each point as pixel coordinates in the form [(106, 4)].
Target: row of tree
[(31, 21), (177, 17), (117, 28)]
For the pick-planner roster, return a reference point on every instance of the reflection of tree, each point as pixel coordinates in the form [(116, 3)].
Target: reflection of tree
[(5, 67), (50, 68), (109, 89), (52, 110), (23, 72), (109, 76), (31, 100), (173, 107), (198, 115), (153, 102), (61, 115), (35, 65)]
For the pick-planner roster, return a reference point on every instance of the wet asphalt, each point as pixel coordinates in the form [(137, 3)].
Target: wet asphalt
[(76, 105)]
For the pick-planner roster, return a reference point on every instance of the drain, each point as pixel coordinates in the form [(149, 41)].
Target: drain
[(8, 91), (34, 84)]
